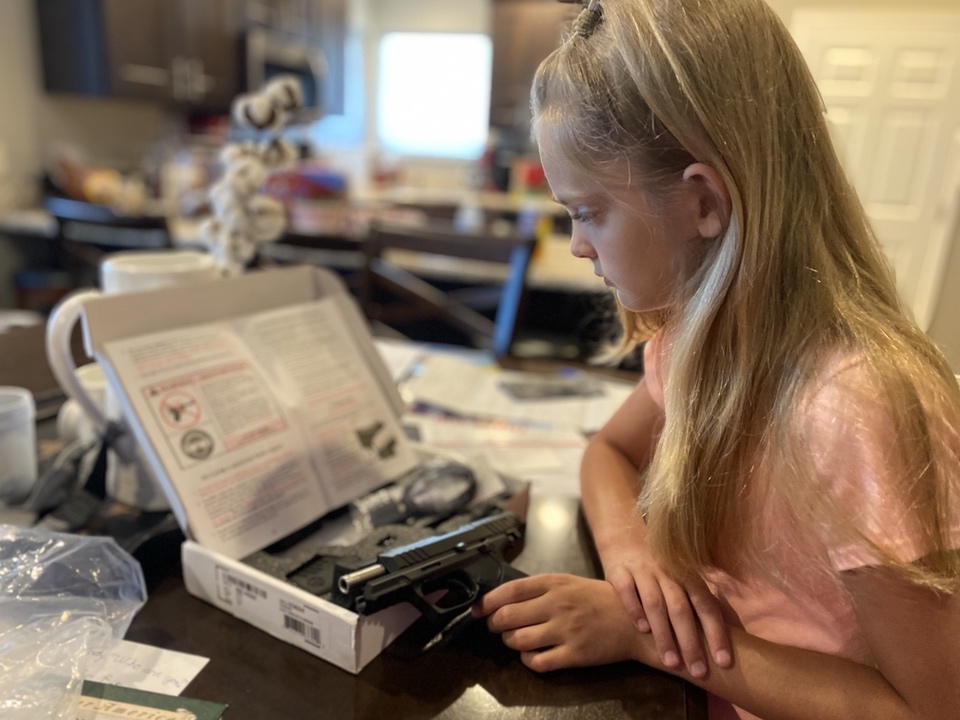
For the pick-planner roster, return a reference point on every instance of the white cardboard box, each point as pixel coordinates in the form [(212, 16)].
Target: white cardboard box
[(279, 608), (328, 631), (322, 628)]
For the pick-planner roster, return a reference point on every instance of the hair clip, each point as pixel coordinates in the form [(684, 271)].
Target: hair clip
[(589, 19)]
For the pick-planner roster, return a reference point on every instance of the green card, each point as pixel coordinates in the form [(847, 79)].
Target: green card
[(106, 702)]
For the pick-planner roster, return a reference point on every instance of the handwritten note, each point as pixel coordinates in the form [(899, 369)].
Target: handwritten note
[(145, 667)]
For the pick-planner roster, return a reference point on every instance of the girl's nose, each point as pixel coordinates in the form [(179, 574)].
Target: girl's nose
[(579, 247)]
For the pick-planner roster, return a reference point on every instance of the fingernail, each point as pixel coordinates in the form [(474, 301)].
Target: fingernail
[(698, 669), (723, 658), (670, 659), (643, 626)]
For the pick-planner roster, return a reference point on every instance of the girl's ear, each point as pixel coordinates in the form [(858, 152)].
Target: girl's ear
[(712, 198)]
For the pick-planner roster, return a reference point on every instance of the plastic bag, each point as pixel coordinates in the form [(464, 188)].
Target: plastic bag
[(61, 597)]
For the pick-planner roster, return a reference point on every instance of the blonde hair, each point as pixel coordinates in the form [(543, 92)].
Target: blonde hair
[(796, 277)]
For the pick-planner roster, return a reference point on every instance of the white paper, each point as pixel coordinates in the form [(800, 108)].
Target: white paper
[(261, 424), (549, 459), (144, 667), (400, 356), (357, 441), (475, 391)]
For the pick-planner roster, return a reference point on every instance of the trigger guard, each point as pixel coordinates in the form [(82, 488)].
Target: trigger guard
[(459, 581), (472, 581)]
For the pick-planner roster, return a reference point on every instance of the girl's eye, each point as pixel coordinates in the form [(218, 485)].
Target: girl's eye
[(582, 215)]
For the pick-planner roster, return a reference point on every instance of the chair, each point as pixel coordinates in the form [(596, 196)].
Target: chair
[(98, 225), (343, 254), (391, 293), (87, 232)]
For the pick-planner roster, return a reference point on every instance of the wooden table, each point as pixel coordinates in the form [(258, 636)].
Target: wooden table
[(470, 675)]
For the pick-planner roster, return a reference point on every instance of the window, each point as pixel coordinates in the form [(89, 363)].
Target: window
[(433, 94)]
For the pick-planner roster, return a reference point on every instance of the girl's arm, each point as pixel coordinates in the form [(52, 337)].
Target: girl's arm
[(654, 601), (913, 634)]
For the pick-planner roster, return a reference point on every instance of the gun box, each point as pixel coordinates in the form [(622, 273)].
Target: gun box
[(264, 598), (214, 565)]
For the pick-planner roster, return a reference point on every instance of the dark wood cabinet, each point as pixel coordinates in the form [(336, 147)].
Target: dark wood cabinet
[(184, 52), (524, 33), (179, 51), (133, 37), (206, 43)]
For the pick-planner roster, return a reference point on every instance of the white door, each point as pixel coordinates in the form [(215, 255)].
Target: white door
[(891, 84)]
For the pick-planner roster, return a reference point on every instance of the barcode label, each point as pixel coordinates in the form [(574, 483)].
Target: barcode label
[(309, 632)]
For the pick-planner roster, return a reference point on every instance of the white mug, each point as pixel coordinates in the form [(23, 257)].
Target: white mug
[(73, 424), (129, 271)]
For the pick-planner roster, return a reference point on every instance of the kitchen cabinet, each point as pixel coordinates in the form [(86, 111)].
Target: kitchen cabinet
[(318, 24), (177, 51), (206, 43), (524, 33)]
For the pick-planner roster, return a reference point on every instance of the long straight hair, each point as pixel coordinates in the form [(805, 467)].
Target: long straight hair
[(796, 278)]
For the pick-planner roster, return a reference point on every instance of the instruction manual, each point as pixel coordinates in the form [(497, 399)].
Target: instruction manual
[(260, 423)]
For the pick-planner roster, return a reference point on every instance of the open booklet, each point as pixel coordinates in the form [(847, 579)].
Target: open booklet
[(259, 423)]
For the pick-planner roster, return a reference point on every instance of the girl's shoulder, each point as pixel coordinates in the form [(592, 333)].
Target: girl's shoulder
[(846, 388), (839, 385)]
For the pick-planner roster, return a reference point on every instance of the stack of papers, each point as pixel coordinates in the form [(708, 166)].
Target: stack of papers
[(549, 459), (484, 391), (532, 427)]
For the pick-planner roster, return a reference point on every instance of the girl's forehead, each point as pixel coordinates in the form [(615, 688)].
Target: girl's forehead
[(571, 172), (558, 146), (567, 173)]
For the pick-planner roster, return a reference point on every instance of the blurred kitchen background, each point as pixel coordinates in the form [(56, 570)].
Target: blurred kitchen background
[(419, 105)]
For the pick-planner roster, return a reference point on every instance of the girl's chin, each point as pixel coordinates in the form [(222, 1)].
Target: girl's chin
[(627, 302), (633, 304)]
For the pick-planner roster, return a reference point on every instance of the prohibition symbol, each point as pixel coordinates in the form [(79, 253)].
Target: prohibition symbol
[(180, 410)]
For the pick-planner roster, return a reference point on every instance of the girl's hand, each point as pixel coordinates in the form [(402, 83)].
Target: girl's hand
[(561, 621), (655, 602)]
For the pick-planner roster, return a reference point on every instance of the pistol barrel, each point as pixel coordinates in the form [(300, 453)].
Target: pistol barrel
[(347, 582)]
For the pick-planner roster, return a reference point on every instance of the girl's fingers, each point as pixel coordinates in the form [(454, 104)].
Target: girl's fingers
[(519, 603), (527, 639), (711, 620), (545, 660), (626, 588), (516, 591), (518, 615), (685, 628), (655, 607)]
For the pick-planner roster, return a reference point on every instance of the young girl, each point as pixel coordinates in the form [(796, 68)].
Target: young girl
[(775, 505)]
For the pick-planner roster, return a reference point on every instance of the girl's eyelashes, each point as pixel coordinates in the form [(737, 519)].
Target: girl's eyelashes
[(581, 215)]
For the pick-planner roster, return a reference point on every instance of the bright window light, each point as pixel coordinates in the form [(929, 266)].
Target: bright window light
[(433, 94)]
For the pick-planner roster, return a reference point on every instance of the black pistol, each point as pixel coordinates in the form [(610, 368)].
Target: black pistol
[(465, 563)]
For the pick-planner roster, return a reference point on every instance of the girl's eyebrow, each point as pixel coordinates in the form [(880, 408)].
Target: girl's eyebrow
[(568, 202)]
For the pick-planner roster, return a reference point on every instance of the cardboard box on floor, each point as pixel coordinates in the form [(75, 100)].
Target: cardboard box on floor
[(212, 565)]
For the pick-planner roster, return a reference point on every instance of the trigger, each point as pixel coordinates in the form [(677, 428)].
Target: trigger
[(460, 590)]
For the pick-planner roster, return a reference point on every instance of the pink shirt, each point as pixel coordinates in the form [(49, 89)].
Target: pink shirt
[(849, 434)]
